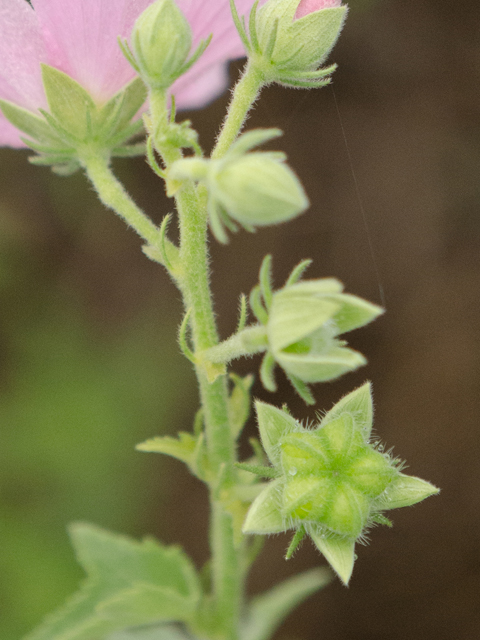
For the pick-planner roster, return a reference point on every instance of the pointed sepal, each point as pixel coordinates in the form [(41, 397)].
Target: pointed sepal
[(273, 423), (264, 515), (339, 551), (406, 491), (359, 404)]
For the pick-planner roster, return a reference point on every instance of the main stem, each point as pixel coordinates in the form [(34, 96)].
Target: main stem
[(194, 283), (228, 587)]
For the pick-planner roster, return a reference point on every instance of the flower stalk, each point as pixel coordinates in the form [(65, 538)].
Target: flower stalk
[(244, 96)]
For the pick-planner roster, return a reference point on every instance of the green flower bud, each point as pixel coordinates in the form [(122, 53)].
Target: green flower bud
[(254, 189), (161, 43), (331, 482), (299, 328), (287, 43), (303, 324), (258, 190)]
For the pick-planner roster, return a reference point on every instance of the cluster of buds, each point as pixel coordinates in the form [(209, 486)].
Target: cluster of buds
[(288, 40), (329, 482), (250, 188), (298, 328)]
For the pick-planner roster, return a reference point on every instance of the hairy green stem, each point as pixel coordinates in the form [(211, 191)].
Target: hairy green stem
[(194, 283), (114, 196), (227, 581), (195, 287), (248, 342), (244, 96)]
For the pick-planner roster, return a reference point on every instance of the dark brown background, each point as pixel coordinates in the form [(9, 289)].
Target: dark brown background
[(390, 160)]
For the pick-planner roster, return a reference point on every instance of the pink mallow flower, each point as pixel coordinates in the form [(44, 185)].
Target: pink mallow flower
[(79, 37), (309, 6)]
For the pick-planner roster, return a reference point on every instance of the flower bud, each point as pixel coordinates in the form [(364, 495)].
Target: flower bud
[(290, 39), (161, 43), (330, 481), (303, 324), (254, 189), (258, 190)]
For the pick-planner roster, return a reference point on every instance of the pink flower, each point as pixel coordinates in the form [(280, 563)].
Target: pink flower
[(79, 37), (309, 6)]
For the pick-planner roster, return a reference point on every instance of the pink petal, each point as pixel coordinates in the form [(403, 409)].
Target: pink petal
[(81, 40), (309, 6), (21, 49), (199, 87)]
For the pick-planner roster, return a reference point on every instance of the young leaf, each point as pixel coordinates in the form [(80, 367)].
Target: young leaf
[(181, 448), (129, 583), (268, 610)]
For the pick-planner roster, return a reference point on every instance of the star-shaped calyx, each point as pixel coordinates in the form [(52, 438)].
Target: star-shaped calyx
[(329, 482)]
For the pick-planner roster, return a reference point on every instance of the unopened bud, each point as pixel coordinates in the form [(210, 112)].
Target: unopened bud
[(304, 322), (254, 189), (258, 190), (161, 43), (290, 39)]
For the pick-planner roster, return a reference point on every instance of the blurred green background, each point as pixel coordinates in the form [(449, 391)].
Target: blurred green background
[(89, 365)]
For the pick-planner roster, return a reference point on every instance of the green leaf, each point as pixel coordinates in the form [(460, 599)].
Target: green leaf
[(406, 491), (264, 516), (338, 551), (165, 632), (359, 404), (187, 448), (69, 103), (31, 124), (128, 583), (268, 610), (273, 423)]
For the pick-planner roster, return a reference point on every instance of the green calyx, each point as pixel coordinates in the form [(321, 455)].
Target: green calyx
[(290, 51), (303, 322), (75, 125), (331, 483), (331, 475), (298, 329), (253, 189)]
